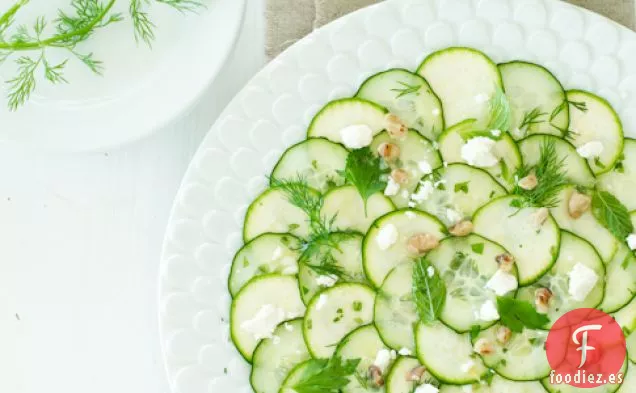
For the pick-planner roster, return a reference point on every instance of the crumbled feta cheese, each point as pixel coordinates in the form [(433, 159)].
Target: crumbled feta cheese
[(430, 271), (436, 112), (488, 311), (405, 352), (468, 366), (264, 322), (392, 187), (410, 215), (631, 241), (481, 98), (291, 269), (453, 216), (387, 236), (411, 204), (425, 167), (591, 149), (424, 192), (496, 133), (393, 354), (502, 283), (478, 152), (382, 359), (326, 281), (426, 388), (582, 281), (278, 252), (322, 301), (356, 136)]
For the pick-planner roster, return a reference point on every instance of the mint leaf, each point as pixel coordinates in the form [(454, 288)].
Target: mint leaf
[(429, 291), (364, 170), (612, 214), (478, 248), (463, 187), (327, 376), (517, 314)]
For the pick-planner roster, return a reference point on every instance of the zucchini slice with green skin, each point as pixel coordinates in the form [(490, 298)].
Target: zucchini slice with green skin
[(522, 358), (621, 180), (629, 381), (275, 357), (534, 246), (416, 152), (364, 343), (598, 122), (466, 264), (409, 97), (608, 388), (631, 352), (347, 208), (576, 168), (297, 374), (333, 314), (626, 317), (265, 254), (460, 187), (378, 262), (464, 79), (585, 226), (498, 385), (397, 381), (345, 112), (620, 281), (448, 355), (278, 291), (533, 90), (452, 140), (347, 257), (318, 161), (271, 212), (574, 250)]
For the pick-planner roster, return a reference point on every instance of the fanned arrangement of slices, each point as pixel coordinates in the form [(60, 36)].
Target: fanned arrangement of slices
[(430, 230)]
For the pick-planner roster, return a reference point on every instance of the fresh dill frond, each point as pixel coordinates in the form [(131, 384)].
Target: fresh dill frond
[(582, 106), (143, 27), (302, 196), (531, 118), (23, 84), (406, 89)]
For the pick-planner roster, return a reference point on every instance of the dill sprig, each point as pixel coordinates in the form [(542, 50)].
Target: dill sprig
[(406, 89), (531, 118)]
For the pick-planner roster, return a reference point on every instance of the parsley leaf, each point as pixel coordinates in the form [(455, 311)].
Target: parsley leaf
[(478, 248), (364, 170), (517, 314), (463, 187), (429, 291), (327, 376), (610, 212)]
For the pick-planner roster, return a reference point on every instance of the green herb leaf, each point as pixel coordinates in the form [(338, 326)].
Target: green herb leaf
[(364, 170), (463, 187), (478, 248), (327, 376), (474, 332), (517, 314), (406, 89), (429, 291), (500, 113), (531, 118), (612, 214)]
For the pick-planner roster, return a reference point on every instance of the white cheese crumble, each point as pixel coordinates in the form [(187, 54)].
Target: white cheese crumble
[(502, 283), (424, 192), (356, 136), (430, 271), (496, 133), (326, 281), (453, 216), (386, 237), (264, 322), (425, 167), (591, 149), (488, 311), (426, 388), (392, 187), (478, 152), (631, 241), (382, 359), (393, 354), (405, 352), (468, 366), (582, 281), (411, 204), (322, 301)]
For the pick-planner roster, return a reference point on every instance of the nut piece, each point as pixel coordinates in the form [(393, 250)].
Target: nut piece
[(529, 182), (416, 374), (400, 176), (375, 375), (483, 347), (394, 126), (542, 298), (579, 203), (540, 216), (503, 334), (506, 262), (462, 228), (421, 243), (389, 151)]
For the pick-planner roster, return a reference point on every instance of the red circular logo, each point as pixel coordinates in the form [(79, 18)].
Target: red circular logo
[(586, 348)]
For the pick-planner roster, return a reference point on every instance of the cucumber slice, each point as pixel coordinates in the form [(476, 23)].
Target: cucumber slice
[(631, 352), (464, 79), (275, 357), (629, 381), (346, 205), (466, 264), (598, 122), (397, 382), (414, 149), (265, 254), (447, 355), (626, 317), (318, 161), (297, 374), (531, 87), (271, 212), (452, 141), (574, 250), (335, 313), (535, 248), (498, 385), (585, 226), (345, 112), (522, 358), (576, 167), (461, 188), (348, 257), (279, 292), (621, 180), (409, 97), (395, 313), (364, 343), (378, 262), (609, 388), (620, 281)]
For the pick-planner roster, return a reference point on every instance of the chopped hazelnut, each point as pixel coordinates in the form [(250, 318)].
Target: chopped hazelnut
[(415, 375), (506, 262), (421, 243), (389, 151), (375, 375), (540, 216), (529, 182), (483, 347), (578, 204), (400, 176), (542, 298), (462, 228), (503, 334), (394, 126)]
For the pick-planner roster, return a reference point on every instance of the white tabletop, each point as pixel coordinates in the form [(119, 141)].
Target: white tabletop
[(81, 240)]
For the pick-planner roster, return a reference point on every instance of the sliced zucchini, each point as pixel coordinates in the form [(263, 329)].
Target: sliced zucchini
[(335, 313), (621, 180), (631, 351), (626, 317), (620, 281), (345, 112), (275, 357), (274, 299), (574, 250), (498, 385), (575, 167), (272, 212), (534, 246), (416, 153), (265, 254), (608, 388), (585, 226), (447, 355), (379, 261), (452, 140), (347, 258), (522, 358), (298, 373), (346, 206), (464, 79), (318, 161), (467, 264), (408, 96), (629, 381), (592, 119), (536, 99), (458, 187), (397, 380)]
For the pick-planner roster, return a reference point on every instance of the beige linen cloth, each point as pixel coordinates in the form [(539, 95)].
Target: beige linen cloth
[(290, 20)]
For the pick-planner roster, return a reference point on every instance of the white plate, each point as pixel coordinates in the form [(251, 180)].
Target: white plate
[(272, 112), (142, 89)]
